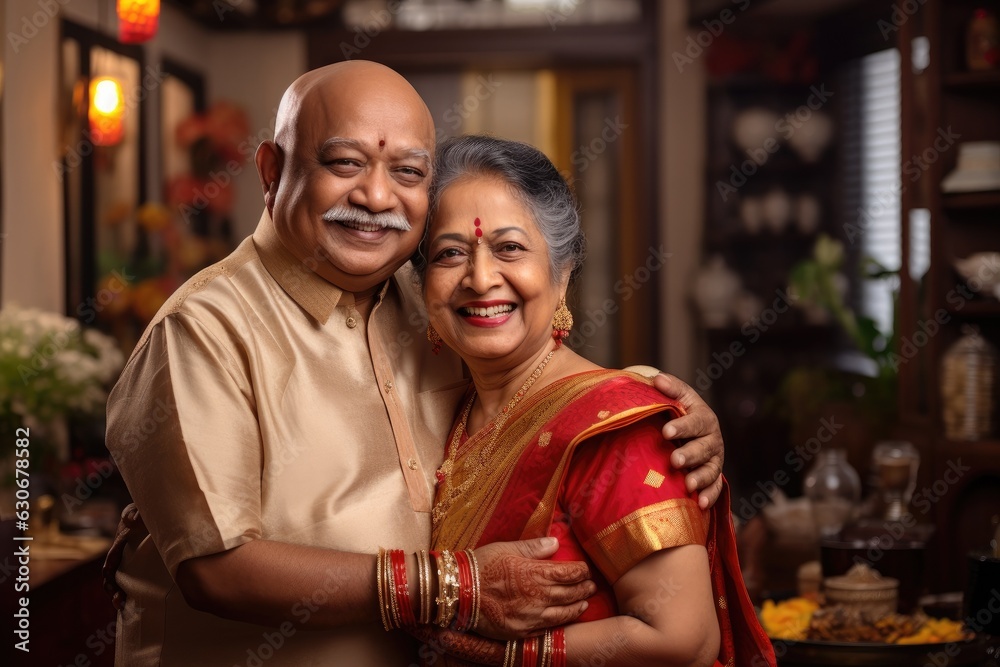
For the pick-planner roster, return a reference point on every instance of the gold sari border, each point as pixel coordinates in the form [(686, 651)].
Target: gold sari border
[(670, 523)]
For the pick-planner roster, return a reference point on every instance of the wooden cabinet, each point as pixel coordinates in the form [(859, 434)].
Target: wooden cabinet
[(945, 105)]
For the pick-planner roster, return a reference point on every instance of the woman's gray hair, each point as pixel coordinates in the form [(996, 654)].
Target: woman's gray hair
[(533, 179)]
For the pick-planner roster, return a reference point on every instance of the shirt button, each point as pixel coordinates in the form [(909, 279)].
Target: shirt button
[(388, 387), (351, 322), (412, 464)]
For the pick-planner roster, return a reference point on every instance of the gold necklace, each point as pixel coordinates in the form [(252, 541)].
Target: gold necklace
[(493, 428)]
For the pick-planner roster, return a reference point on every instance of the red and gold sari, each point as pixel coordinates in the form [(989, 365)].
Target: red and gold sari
[(583, 460)]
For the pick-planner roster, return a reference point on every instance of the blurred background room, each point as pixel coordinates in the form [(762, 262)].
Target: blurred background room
[(793, 205)]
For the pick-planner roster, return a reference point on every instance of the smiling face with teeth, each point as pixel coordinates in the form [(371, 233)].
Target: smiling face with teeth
[(346, 178), (492, 300)]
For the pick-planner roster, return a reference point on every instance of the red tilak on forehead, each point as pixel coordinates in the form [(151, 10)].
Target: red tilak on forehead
[(479, 231), (381, 143)]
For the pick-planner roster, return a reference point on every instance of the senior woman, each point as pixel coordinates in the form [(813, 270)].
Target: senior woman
[(548, 443)]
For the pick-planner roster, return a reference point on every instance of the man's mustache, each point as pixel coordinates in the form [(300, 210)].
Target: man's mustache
[(359, 216)]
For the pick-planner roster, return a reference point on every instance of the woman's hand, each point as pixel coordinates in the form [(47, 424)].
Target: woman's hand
[(468, 647), (522, 594), (703, 453)]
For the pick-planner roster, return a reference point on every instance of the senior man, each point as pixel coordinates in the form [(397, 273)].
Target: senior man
[(281, 417)]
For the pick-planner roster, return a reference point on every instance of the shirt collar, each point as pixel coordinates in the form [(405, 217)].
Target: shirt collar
[(313, 293)]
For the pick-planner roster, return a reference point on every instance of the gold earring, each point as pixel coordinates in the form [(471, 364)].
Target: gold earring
[(562, 322), (435, 338)]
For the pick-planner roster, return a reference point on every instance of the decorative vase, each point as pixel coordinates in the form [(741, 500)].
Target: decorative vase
[(715, 289), (807, 214), (777, 209), (812, 137), (834, 490), (968, 387)]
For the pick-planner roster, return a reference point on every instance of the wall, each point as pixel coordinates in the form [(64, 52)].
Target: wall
[(32, 199), (251, 69), (681, 205)]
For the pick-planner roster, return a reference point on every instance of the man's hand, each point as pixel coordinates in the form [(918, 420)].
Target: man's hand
[(703, 453), (521, 594)]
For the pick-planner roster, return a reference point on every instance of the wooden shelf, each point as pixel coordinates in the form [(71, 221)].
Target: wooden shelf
[(985, 82), (977, 309), (966, 200), (733, 234), (987, 446)]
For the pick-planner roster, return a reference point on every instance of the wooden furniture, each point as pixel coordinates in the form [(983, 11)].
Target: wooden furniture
[(72, 621), (944, 105)]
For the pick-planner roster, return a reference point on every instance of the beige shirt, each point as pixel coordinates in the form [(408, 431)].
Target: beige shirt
[(260, 405)]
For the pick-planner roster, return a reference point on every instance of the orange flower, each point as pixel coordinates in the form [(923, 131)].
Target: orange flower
[(154, 217)]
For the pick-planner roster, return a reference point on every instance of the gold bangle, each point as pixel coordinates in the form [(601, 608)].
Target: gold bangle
[(424, 570), (447, 599), (510, 653), (379, 583), (390, 591), (545, 654), (476, 589)]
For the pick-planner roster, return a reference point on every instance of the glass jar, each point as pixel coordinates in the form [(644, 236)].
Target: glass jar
[(968, 385), (834, 489)]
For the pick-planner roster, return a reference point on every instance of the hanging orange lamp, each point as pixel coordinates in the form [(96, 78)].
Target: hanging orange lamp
[(137, 20), (106, 112)]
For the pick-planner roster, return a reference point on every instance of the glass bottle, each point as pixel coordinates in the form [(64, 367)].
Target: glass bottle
[(834, 490)]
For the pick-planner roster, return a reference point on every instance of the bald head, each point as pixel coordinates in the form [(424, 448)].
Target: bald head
[(346, 177), (330, 89)]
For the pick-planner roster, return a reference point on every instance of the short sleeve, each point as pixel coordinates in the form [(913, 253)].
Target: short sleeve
[(183, 431), (625, 501)]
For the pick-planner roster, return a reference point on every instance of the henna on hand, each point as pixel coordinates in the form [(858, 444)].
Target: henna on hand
[(468, 647), (521, 596)]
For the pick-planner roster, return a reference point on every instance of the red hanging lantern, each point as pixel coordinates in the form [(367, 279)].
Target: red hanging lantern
[(106, 111), (137, 20)]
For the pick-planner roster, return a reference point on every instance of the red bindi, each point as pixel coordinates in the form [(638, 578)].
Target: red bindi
[(479, 232), (381, 143)]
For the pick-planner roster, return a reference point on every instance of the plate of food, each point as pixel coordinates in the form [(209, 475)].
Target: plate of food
[(803, 633)]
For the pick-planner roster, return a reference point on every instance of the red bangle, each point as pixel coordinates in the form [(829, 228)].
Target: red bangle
[(402, 588), (463, 620), (559, 647), (529, 657)]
